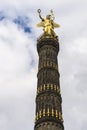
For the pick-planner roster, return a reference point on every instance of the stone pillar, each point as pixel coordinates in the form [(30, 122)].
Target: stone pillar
[(48, 98)]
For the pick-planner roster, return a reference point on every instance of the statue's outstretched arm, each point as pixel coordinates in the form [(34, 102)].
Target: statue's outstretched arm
[(41, 17), (39, 11)]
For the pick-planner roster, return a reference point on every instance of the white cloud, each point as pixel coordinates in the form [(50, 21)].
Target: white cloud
[(17, 76)]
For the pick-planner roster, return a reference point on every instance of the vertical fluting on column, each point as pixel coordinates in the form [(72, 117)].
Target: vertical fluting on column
[(48, 98)]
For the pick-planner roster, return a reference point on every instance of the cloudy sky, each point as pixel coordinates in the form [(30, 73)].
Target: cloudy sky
[(19, 61)]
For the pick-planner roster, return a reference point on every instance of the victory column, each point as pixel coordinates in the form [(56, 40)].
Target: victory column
[(48, 98)]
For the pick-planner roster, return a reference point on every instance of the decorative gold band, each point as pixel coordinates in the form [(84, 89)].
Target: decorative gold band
[(47, 113), (47, 87), (48, 64)]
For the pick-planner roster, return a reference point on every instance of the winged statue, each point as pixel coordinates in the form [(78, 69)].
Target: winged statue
[(48, 23)]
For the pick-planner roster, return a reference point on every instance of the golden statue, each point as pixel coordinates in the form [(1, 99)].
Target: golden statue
[(48, 23)]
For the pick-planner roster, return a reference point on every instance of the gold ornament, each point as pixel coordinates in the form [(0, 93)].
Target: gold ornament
[(48, 112), (52, 112), (48, 23)]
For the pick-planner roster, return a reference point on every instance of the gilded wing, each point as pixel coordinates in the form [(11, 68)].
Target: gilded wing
[(41, 24), (56, 25)]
